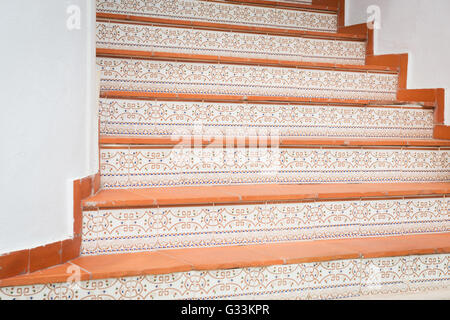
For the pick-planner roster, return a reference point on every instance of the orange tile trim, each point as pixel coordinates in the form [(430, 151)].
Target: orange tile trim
[(341, 14), (31, 260), (432, 96), (258, 99), (356, 29), (442, 132), (107, 17), (184, 57), (398, 62), (241, 194), (267, 141), (201, 259)]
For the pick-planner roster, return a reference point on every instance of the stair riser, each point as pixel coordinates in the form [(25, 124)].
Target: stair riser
[(157, 167), (321, 280), (230, 44), (223, 13), (202, 79), (132, 230), (158, 118)]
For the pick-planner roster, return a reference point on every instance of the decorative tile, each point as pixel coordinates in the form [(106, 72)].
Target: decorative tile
[(325, 280), (215, 12), (384, 276), (245, 45), (427, 273), (202, 78), (134, 230), (180, 166), (177, 119)]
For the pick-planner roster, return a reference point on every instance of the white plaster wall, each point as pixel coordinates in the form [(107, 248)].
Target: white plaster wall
[(48, 126), (418, 27)]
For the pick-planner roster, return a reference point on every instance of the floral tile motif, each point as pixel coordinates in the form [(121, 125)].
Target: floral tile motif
[(428, 272), (168, 118), (224, 13), (244, 45), (202, 78), (408, 216), (184, 166), (324, 280), (405, 274), (133, 230)]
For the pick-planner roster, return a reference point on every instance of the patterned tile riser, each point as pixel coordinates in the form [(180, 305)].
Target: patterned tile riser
[(191, 41), (164, 118), (133, 230), (324, 280), (216, 79), (222, 13), (145, 168)]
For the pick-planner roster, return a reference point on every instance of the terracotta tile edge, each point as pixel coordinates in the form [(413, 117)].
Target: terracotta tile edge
[(52, 254), (441, 132), (264, 259)]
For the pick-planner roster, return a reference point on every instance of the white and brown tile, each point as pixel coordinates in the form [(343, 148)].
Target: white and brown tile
[(322, 280), (110, 231), (168, 118), (245, 45), (202, 78), (224, 13), (138, 167)]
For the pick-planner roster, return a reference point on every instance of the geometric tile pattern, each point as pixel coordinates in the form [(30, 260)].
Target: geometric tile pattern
[(322, 280), (135, 230), (168, 118), (191, 41), (140, 167), (215, 12), (202, 78)]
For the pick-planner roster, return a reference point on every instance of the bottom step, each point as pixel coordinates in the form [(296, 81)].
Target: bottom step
[(336, 269)]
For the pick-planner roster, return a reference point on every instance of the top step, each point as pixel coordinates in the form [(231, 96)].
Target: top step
[(225, 13)]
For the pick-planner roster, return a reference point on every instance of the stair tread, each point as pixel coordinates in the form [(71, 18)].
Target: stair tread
[(234, 194), (122, 94), (201, 259), (154, 55), (107, 17), (214, 12), (281, 141)]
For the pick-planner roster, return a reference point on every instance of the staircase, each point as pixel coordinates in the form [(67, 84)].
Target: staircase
[(247, 151)]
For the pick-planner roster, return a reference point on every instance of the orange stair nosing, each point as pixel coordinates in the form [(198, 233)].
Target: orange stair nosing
[(199, 58), (145, 95), (219, 258), (267, 141), (113, 17), (244, 194)]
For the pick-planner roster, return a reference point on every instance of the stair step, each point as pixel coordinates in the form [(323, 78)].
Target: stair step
[(240, 80), (230, 60), (170, 96), (135, 220), (150, 119), (310, 270), (130, 39), (153, 166), (235, 194), (224, 13), (266, 141), (110, 231)]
